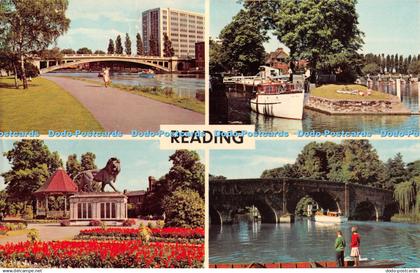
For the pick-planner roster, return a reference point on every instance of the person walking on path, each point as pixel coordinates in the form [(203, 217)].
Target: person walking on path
[(105, 76), (340, 244), (355, 245)]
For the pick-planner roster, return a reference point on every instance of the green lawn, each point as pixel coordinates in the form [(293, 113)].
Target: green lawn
[(328, 91), (42, 107)]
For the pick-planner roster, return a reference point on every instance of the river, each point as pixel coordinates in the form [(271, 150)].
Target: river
[(184, 85), (305, 240), (239, 112)]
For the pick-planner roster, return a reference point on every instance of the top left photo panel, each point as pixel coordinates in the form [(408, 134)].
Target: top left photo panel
[(68, 65)]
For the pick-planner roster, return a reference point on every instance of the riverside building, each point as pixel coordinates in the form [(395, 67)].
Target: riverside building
[(184, 30)]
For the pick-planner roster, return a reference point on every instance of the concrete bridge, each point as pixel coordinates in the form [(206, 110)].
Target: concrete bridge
[(166, 64), (276, 197)]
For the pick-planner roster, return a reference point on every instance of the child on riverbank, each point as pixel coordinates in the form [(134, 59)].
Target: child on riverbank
[(340, 244), (355, 245)]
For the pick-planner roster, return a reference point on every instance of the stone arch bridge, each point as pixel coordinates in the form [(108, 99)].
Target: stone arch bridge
[(165, 64), (276, 197)]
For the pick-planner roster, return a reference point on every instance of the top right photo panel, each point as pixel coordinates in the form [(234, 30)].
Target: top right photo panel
[(316, 65)]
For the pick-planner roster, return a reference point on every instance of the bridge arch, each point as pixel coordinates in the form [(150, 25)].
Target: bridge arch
[(325, 199), (84, 61), (366, 210)]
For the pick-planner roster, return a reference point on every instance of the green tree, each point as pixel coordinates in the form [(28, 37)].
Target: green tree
[(371, 68), (99, 52), (68, 51), (396, 171), (127, 44), (215, 58), (413, 168), (111, 48), (288, 170), (31, 26), (88, 161), (242, 47), (414, 68), (407, 194), (217, 177), (187, 172), (139, 45), (73, 166), (3, 203), (118, 45), (31, 165), (153, 200), (184, 208), (51, 54), (168, 50), (84, 50)]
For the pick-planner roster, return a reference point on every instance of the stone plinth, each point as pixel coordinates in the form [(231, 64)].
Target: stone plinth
[(110, 207)]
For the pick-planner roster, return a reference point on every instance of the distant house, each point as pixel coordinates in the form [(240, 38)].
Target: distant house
[(136, 197), (279, 59)]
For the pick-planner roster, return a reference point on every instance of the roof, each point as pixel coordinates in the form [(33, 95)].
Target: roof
[(59, 182), (135, 193)]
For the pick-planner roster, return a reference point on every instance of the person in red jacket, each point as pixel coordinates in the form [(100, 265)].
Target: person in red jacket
[(355, 245)]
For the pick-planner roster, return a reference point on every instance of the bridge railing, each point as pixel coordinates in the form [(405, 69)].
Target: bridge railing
[(118, 55)]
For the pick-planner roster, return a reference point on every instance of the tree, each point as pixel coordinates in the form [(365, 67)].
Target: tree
[(242, 47), (413, 168), (31, 165), (73, 166), (84, 50), (111, 48), (153, 200), (153, 46), (215, 58), (68, 51), (408, 197), (88, 161), (414, 68), (187, 172), (51, 54), (139, 45), (99, 52), (396, 171), (371, 68), (168, 50), (288, 170), (31, 26), (118, 45), (184, 208), (127, 44)]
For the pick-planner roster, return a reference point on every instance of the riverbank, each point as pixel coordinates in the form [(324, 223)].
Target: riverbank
[(43, 106), (402, 218), (354, 99), (164, 95)]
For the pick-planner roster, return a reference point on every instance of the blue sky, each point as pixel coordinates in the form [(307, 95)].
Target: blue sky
[(94, 22), (139, 159), (272, 154), (390, 26)]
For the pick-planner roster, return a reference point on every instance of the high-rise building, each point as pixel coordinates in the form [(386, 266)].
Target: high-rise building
[(184, 30)]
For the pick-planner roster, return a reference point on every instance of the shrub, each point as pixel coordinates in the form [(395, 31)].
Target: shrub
[(3, 230), (151, 225), (144, 234), (160, 224), (33, 235), (184, 208), (129, 222), (95, 223), (28, 214)]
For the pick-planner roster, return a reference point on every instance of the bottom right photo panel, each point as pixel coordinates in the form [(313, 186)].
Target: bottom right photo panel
[(314, 204)]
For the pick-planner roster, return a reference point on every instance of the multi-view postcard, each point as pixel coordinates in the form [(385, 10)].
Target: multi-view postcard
[(210, 134)]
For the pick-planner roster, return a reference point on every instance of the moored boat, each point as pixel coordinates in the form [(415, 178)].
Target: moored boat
[(330, 217), (147, 74)]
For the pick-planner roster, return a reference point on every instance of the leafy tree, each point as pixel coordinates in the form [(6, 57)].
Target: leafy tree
[(31, 26), (216, 64), (288, 170), (407, 195), (168, 50), (118, 45), (127, 44), (153, 200), (371, 68), (242, 44), (396, 171), (51, 54), (413, 168), (88, 161), (186, 172), (84, 50), (68, 51), (184, 208), (414, 68), (111, 48), (99, 52), (139, 45), (217, 177), (30, 70), (302, 205), (31, 165), (73, 166), (3, 203)]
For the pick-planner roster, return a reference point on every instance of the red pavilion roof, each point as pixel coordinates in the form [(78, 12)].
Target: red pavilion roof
[(59, 182)]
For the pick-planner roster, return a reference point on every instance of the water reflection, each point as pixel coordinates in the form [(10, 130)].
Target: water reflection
[(305, 240)]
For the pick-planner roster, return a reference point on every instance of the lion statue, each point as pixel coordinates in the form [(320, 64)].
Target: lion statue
[(96, 180)]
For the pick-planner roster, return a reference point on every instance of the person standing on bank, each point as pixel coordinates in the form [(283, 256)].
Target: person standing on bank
[(340, 244), (105, 76), (355, 245)]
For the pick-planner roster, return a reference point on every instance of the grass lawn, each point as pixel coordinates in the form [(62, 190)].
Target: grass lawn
[(183, 102), (15, 233), (42, 107), (328, 91)]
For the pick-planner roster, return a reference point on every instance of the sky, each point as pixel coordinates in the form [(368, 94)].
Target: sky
[(273, 154), (390, 26), (94, 22), (139, 159)]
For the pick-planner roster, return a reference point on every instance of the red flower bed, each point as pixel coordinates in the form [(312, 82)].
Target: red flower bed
[(82, 254), (3, 230), (185, 233)]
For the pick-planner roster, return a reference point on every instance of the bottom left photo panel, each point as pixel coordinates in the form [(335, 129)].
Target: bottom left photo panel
[(100, 203)]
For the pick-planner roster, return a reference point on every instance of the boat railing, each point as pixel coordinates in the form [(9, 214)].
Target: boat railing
[(238, 79)]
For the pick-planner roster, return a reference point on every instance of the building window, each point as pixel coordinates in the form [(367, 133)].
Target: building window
[(108, 211), (84, 210)]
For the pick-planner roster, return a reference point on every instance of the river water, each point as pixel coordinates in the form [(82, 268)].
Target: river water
[(305, 240), (184, 85), (239, 112)]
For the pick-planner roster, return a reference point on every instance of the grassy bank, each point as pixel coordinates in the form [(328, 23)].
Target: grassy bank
[(329, 91), (42, 107), (406, 218), (165, 95)]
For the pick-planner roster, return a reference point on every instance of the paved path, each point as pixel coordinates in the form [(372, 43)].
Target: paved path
[(119, 110)]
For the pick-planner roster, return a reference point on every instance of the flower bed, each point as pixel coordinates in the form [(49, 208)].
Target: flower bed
[(83, 254), (3, 230)]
